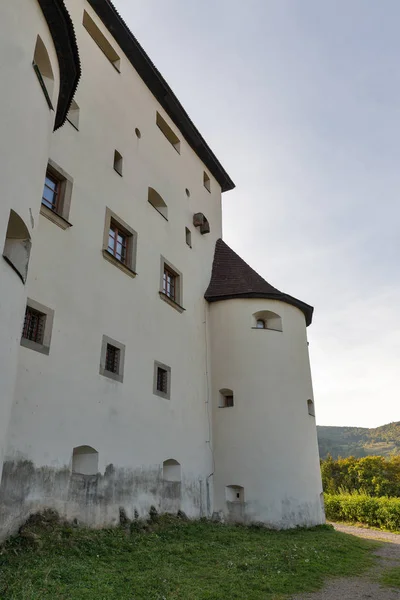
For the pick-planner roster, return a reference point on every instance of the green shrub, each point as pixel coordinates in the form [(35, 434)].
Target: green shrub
[(357, 507), (373, 475)]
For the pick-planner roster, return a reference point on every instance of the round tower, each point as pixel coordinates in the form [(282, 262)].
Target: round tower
[(264, 433), (40, 70)]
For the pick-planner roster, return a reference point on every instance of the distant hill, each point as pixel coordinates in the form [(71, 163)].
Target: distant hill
[(359, 441)]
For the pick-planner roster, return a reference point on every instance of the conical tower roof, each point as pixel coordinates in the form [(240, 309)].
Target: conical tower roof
[(232, 277)]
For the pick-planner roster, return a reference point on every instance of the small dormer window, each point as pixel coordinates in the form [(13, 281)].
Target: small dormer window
[(260, 324)]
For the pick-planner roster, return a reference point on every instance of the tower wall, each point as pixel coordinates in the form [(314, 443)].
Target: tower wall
[(265, 445), (26, 123)]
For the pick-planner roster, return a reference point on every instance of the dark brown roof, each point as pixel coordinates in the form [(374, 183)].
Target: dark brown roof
[(63, 34), (232, 277), (160, 88)]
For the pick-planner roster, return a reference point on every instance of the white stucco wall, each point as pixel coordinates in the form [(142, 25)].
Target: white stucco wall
[(267, 441), (26, 124), (61, 400)]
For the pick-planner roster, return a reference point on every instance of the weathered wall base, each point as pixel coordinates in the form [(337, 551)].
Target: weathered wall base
[(94, 500)]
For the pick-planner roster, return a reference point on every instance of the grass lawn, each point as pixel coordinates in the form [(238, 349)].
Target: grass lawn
[(173, 559), (391, 577)]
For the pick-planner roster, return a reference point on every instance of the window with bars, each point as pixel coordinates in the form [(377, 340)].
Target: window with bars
[(118, 243), (34, 325), (162, 380), (51, 192), (170, 284), (112, 359)]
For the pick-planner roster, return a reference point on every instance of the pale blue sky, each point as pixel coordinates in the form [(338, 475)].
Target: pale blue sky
[(300, 101)]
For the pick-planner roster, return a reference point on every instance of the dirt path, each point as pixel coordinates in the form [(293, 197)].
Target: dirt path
[(355, 588)]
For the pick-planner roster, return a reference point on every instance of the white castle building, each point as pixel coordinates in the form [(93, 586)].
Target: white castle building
[(142, 361)]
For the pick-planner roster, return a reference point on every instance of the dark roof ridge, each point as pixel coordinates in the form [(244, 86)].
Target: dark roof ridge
[(156, 83), (63, 33), (232, 278)]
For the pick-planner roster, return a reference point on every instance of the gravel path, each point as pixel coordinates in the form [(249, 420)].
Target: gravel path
[(357, 588)]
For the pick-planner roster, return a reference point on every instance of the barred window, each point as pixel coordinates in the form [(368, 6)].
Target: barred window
[(34, 324), (51, 190), (162, 380), (169, 283), (112, 359)]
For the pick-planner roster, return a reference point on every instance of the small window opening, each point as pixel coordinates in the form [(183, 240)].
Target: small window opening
[(226, 398), (188, 237), (157, 202), (266, 319), (42, 67), (138, 134), (234, 493), (206, 181), (118, 161), (168, 132), (73, 115), (101, 41), (17, 245), (118, 242), (162, 380), (171, 470), (34, 324), (85, 460), (112, 359), (187, 192), (310, 406)]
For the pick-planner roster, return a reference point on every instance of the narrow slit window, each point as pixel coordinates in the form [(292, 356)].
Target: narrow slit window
[(260, 324), (162, 380), (311, 409), (168, 132), (226, 398), (101, 41), (188, 237), (34, 324), (112, 359), (206, 182), (118, 162)]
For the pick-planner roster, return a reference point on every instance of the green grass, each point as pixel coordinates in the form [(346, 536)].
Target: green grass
[(391, 577), (174, 559)]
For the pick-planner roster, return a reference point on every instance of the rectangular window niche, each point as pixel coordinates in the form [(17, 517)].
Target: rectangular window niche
[(162, 380), (38, 326)]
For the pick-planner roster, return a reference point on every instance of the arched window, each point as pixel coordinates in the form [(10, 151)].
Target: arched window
[(311, 410), (234, 493), (17, 246), (85, 460), (266, 319), (225, 398), (171, 470), (157, 202), (42, 66)]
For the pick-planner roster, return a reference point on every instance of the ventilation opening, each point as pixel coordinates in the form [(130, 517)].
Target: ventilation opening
[(42, 66), (168, 132), (17, 245), (157, 202), (234, 493), (137, 132), (225, 398), (73, 115), (171, 470), (85, 460), (118, 162), (311, 410), (101, 41), (206, 181), (187, 192), (265, 319), (188, 237)]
